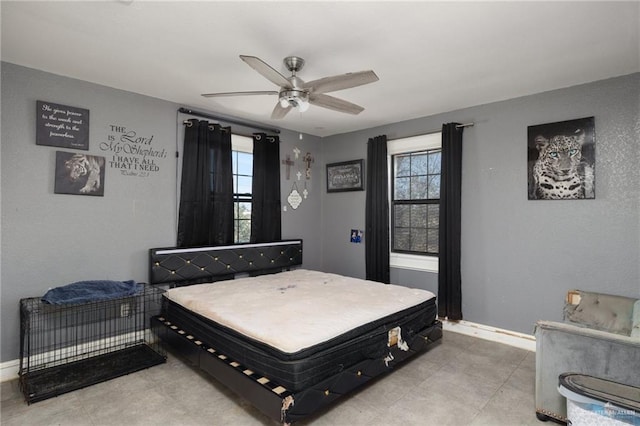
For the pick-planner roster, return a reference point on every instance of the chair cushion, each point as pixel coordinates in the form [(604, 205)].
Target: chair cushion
[(602, 312)]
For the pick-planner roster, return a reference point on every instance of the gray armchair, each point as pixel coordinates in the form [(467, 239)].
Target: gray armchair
[(600, 336)]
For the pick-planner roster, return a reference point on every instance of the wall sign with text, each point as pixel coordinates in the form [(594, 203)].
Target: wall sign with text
[(131, 152), (61, 125), (345, 176)]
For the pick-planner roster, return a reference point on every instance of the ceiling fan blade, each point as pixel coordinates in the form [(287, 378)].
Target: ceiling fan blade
[(259, 92), (340, 82), (335, 104), (279, 112), (266, 71)]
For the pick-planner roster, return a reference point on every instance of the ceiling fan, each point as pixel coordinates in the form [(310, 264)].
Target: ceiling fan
[(294, 92)]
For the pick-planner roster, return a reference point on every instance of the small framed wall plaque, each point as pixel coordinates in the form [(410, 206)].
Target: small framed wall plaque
[(62, 126), (345, 176)]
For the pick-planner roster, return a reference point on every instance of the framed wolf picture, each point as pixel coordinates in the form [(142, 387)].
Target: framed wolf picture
[(561, 160)]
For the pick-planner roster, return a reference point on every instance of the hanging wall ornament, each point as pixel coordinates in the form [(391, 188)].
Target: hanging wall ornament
[(305, 191), (296, 151), (294, 197), (288, 163), (308, 159)]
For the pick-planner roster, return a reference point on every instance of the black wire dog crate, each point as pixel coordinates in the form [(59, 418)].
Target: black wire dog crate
[(67, 347)]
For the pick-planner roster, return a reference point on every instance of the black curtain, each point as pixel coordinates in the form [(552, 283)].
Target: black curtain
[(206, 191), (265, 208), (377, 211), (449, 277)]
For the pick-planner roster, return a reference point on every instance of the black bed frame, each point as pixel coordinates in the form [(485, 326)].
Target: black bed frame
[(174, 266)]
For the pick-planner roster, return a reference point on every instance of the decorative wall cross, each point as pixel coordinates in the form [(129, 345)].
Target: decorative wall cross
[(288, 163), (308, 159), (296, 151)]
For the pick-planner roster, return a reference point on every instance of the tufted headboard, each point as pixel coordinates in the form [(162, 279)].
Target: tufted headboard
[(185, 266)]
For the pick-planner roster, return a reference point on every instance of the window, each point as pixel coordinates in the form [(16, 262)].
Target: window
[(242, 163), (415, 201)]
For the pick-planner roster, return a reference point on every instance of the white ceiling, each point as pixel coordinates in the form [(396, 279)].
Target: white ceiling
[(431, 57)]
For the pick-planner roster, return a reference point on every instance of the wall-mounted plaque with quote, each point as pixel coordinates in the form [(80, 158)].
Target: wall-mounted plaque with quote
[(61, 125), (345, 176)]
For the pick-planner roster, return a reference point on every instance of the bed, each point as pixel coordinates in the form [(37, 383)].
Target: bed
[(289, 340)]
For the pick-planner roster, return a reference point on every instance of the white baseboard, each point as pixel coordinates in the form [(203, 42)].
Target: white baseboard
[(494, 334), (9, 369)]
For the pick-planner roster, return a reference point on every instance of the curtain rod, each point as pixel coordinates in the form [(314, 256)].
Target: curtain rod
[(227, 120), (459, 126)]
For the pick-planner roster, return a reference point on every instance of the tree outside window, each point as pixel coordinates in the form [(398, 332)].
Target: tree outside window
[(416, 202), (242, 162)]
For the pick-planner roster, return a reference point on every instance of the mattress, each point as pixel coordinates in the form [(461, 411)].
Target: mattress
[(301, 326)]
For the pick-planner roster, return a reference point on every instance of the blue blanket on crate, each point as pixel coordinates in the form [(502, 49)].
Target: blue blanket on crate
[(90, 291)]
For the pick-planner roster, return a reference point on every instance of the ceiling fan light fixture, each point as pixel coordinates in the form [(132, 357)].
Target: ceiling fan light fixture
[(294, 92), (303, 104), (294, 98)]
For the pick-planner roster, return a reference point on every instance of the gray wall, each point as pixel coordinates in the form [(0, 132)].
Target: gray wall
[(520, 257), (49, 240)]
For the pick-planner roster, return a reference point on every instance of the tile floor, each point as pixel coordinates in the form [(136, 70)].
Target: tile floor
[(461, 381)]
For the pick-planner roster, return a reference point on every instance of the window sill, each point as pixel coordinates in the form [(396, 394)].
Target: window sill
[(411, 261)]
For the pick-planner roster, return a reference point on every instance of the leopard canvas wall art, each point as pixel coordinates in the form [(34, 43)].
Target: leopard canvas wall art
[(561, 160)]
